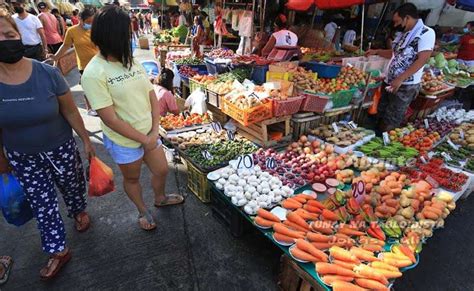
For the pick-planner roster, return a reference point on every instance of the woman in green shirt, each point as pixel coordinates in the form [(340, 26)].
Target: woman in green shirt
[(121, 93)]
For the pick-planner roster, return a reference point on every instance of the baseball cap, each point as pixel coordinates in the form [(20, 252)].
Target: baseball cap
[(42, 5)]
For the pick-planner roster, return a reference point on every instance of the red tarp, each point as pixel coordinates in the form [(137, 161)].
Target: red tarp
[(303, 5)]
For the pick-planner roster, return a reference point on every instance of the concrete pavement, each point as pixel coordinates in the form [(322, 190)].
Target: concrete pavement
[(191, 250)]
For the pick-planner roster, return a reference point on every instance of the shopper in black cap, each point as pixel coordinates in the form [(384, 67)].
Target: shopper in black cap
[(51, 28)]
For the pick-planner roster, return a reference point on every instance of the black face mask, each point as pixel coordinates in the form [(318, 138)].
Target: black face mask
[(12, 51), (399, 27), (19, 9)]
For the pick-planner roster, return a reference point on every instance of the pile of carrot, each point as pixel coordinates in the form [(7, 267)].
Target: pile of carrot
[(265, 218)]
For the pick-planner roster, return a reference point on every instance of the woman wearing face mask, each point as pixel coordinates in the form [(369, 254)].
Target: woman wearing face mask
[(79, 36), (466, 46), (119, 89), (37, 117)]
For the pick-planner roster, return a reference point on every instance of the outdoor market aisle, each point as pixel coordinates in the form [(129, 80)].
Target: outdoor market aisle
[(191, 250)]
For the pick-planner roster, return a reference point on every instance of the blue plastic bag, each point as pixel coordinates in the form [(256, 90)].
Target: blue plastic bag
[(15, 207)]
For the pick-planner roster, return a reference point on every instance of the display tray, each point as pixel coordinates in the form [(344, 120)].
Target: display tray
[(165, 132), (436, 93)]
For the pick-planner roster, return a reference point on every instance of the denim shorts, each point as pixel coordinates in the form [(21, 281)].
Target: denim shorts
[(124, 155)]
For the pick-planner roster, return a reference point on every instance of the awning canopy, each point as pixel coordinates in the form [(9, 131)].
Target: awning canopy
[(303, 5)]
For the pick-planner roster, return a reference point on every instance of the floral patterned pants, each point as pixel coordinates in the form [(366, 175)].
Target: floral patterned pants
[(39, 174)]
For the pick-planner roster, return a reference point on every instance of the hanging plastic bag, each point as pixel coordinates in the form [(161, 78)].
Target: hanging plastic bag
[(15, 207), (197, 102), (377, 95), (101, 178)]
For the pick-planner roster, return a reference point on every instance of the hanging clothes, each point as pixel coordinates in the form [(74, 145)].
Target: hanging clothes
[(246, 24), (235, 19)]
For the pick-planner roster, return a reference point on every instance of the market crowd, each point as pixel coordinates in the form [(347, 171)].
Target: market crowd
[(38, 114)]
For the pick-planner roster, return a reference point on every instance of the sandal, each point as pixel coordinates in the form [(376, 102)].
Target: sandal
[(55, 264), (170, 199), (7, 263), (148, 220), (83, 221)]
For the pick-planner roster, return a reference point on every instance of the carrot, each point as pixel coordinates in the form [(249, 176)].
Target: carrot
[(340, 237), (322, 245), (267, 215), (347, 265), (299, 199), (392, 202), (263, 222), (315, 203), (395, 256), (305, 196), (294, 200), (281, 228), (407, 252), (370, 284), (389, 274), (322, 227), (312, 208), (317, 237), (293, 217), (349, 231), (329, 279), (341, 254), (302, 255), (309, 248), (329, 215), (331, 269), (294, 226), (382, 265), (372, 247), (306, 214), (397, 262), (283, 238), (430, 214), (290, 204), (371, 240), (365, 271), (363, 255), (345, 286)]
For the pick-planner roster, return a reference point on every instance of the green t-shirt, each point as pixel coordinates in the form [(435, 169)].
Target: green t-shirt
[(110, 84)]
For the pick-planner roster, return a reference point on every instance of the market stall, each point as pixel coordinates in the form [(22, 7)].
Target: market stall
[(282, 146)]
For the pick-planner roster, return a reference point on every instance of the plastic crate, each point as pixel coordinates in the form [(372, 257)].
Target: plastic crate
[(302, 123), (323, 70), (198, 183), (213, 98), (247, 116), (214, 68), (423, 102), (223, 209), (198, 68), (194, 85), (342, 98), (287, 107), (275, 76), (315, 102), (259, 74)]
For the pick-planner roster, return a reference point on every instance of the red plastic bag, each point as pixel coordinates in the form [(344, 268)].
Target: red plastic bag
[(101, 178), (336, 4), (299, 5)]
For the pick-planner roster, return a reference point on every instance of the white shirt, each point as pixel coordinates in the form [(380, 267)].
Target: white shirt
[(285, 37), (349, 37), (330, 31), (29, 29), (404, 57)]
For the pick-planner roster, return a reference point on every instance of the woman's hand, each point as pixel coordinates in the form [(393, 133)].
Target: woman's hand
[(4, 165), (151, 142), (89, 149)]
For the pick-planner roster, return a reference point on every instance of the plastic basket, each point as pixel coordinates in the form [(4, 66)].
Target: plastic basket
[(247, 116), (275, 76), (259, 74), (198, 183), (323, 70), (287, 107), (194, 85), (213, 98), (342, 98), (315, 102)]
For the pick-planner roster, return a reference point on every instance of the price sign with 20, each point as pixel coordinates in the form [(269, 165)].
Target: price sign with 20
[(245, 162), (358, 191)]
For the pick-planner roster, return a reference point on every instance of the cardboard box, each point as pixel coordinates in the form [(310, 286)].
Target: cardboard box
[(143, 42)]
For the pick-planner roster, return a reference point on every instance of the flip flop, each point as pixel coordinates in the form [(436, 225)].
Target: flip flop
[(55, 264), (82, 222), (7, 263), (149, 219), (170, 199)]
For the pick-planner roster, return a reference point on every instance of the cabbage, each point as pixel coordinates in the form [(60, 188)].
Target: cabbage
[(431, 61), (441, 64), (452, 64), (439, 57)]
